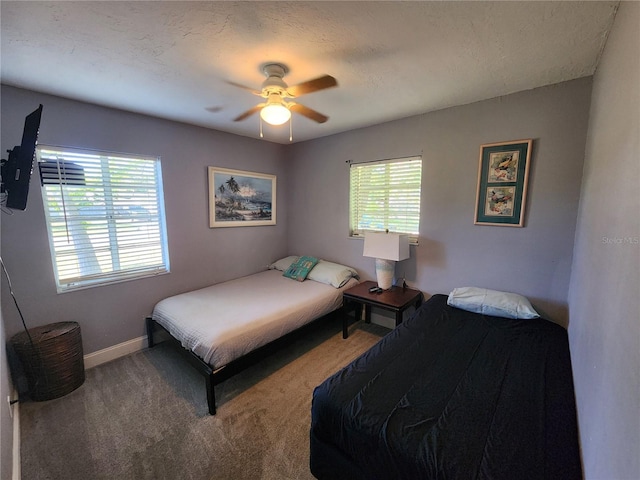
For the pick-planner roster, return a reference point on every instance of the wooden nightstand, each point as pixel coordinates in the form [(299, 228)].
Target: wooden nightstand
[(396, 299)]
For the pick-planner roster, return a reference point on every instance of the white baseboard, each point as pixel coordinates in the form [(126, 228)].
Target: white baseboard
[(388, 319), (383, 320), (116, 351), (15, 469), (120, 350)]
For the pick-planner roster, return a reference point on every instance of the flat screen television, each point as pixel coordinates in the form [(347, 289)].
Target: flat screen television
[(16, 171)]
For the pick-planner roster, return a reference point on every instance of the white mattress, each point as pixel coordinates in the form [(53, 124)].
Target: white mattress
[(222, 322)]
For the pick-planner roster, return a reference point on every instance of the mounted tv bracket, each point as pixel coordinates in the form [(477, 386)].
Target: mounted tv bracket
[(16, 171), (6, 164)]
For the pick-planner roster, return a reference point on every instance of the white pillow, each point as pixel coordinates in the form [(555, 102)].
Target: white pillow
[(284, 263), (491, 302), (331, 273)]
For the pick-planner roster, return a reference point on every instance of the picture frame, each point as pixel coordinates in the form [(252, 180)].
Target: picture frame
[(503, 175), (239, 198)]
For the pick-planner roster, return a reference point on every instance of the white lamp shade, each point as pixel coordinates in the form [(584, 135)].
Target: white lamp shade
[(387, 246)]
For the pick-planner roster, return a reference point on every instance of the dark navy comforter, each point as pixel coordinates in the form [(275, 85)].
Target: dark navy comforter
[(451, 394)]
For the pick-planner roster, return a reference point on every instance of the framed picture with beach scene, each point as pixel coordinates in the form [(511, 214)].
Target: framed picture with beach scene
[(503, 174), (241, 199)]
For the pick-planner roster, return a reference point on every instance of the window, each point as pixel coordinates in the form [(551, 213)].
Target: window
[(385, 195), (105, 216)]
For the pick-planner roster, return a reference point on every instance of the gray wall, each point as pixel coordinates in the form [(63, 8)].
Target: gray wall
[(452, 251), (199, 255), (604, 330), (600, 301)]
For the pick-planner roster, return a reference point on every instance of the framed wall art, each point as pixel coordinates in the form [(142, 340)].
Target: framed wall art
[(241, 199), (503, 174)]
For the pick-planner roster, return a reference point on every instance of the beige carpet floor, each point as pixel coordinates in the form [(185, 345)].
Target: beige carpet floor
[(144, 416)]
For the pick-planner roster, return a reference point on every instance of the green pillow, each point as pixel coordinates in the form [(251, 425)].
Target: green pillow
[(299, 269)]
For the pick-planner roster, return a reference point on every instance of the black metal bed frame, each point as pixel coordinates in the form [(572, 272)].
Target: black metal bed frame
[(219, 375)]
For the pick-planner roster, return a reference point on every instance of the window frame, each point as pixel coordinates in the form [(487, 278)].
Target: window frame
[(356, 228), (111, 214)]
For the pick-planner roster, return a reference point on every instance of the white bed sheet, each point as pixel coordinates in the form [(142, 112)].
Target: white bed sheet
[(222, 322)]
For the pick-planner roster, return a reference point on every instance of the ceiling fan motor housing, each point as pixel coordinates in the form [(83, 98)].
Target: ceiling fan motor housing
[(274, 82)]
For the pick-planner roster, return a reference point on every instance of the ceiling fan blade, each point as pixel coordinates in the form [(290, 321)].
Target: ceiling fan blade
[(320, 83), (308, 112), (249, 112), (244, 87)]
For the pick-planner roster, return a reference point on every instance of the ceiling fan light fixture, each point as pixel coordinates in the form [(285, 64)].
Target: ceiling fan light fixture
[(276, 110), (275, 114)]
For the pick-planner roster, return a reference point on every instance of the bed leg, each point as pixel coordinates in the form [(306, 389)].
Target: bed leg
[(150, 323), (211, 396)]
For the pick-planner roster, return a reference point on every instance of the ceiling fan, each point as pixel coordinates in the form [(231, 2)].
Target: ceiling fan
[(277, 109)]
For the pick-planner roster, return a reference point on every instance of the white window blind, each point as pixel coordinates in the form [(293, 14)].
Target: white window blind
[(385, 195), (105, 216)]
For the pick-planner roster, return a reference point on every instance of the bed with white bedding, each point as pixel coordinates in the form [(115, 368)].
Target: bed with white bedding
[(223, 325)]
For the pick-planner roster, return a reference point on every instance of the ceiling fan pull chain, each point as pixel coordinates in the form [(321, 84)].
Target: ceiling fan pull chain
[(261, 135), (290, 128)]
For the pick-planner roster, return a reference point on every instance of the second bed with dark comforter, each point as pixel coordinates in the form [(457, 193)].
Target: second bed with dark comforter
[(451, 394)]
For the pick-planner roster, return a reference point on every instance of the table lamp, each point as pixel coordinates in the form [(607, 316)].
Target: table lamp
[(387, 249)]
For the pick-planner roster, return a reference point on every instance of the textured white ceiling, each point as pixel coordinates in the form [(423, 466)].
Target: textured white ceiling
[(391, 59)]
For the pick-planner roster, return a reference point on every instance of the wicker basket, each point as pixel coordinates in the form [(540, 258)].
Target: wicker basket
[(52, 359)]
